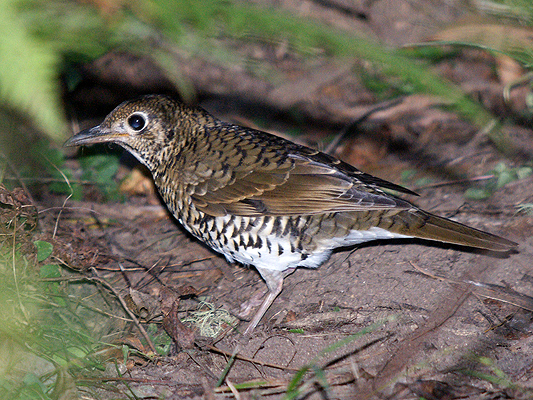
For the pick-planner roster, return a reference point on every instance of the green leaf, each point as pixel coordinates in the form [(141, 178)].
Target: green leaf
[(499, 168), (77, 352), (28, 77), (292, 388), (101, 169), (125, 353), (424, 181), (505, 178), (407, 174), (44, 249), (50, 271), (477, 193), (524, 172), (33, 388)]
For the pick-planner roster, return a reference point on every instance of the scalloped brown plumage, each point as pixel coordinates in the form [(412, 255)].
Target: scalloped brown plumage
[(262, 200)]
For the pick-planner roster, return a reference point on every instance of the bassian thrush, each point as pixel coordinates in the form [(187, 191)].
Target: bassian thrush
[(262, 200)]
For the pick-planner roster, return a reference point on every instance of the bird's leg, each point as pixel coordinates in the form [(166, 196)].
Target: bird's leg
[(274, 282), (252, 303)]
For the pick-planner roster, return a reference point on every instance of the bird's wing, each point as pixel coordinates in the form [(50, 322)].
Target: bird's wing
[(296, 185)]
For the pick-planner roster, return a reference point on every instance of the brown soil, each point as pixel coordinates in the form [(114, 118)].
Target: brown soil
[(429, 335)]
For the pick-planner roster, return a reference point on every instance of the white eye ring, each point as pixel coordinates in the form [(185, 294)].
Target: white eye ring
[(137, 121)]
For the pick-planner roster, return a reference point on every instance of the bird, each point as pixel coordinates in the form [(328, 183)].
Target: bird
[(262, 200)]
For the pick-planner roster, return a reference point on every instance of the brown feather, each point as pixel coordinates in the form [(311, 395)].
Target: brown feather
[(308, 188)]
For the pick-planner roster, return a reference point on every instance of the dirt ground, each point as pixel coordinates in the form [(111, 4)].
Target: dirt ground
[(430, 334), (399, 316)]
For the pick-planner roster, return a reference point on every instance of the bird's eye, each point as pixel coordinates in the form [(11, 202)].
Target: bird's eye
[(137, 122)]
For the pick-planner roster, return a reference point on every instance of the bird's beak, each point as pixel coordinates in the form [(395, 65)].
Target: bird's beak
[(92, 136)]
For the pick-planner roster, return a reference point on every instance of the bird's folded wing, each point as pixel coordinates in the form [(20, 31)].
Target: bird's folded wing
[(301, 186)]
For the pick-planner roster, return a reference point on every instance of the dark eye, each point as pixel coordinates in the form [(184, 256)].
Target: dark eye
[(137, 122)]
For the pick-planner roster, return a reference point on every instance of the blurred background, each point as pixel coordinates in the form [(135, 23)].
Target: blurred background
[(313, 62)]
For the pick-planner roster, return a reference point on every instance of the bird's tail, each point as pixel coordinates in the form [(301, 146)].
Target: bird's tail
[(424, 225)]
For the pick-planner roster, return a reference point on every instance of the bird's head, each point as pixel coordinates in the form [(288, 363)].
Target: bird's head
[(144, 126)]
